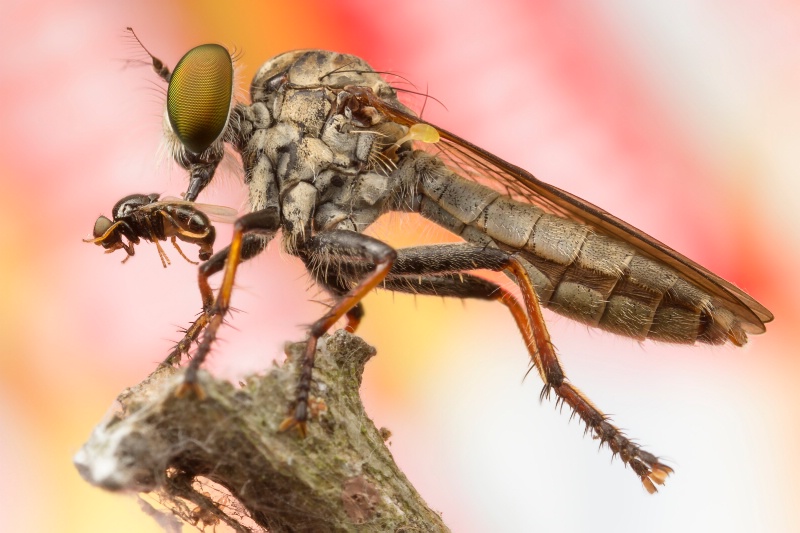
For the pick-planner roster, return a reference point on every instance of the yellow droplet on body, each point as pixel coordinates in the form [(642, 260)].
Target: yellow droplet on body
[(423, 133)]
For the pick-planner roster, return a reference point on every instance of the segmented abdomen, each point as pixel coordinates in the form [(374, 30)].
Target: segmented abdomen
[(589, 277)]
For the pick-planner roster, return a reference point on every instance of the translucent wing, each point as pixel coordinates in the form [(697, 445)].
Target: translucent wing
[(476, 163), (217, 213)]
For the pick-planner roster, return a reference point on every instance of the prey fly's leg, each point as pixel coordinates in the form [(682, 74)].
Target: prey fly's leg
[(264, 224), (439, 270), (170, 220), (333, 248), (175, 244)]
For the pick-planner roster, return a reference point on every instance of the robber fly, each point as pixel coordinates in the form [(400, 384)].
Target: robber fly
[(144, 216), (327, 148)]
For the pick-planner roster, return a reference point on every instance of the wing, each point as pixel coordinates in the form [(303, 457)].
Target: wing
[(476, 163), (217, 213)]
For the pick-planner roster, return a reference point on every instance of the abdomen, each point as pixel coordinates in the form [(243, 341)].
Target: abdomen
[(592, 278)]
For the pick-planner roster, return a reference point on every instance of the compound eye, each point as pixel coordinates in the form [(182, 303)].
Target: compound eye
[(199, 96), (101, 226)]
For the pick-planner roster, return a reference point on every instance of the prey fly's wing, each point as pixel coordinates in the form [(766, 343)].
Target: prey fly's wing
[(216, 213)]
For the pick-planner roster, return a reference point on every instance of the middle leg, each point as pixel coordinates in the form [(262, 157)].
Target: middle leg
[(440, 270)]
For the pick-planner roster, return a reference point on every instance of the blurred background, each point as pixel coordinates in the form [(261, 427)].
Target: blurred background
[(680, 117)]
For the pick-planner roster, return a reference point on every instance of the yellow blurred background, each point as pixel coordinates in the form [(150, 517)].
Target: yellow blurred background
[(680, 117)]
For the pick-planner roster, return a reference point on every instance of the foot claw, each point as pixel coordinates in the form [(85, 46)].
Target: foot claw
[(189, 389), (657, 476), (291, 422)]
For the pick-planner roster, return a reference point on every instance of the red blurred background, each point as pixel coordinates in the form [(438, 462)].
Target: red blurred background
[(680, 117)]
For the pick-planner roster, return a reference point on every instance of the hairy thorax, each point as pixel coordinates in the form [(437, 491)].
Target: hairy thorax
[(311, 150)]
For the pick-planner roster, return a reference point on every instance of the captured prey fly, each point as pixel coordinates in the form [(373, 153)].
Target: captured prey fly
[(144, 216), (327, 148)]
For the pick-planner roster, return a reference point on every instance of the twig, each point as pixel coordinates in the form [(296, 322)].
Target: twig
[(221, 459)]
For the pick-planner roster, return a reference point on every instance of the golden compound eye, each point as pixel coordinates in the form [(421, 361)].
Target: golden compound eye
[(199, 96)]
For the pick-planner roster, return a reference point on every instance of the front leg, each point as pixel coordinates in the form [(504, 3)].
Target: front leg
[(264, 225)]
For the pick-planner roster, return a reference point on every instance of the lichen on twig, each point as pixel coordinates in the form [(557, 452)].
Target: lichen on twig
[(222, 461)]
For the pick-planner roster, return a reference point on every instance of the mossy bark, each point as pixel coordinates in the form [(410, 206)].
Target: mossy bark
[(222, 460)]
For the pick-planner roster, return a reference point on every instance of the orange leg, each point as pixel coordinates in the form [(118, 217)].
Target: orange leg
[(441, 270), (207, 295), (347, 244), (214, 310), (646, 465)]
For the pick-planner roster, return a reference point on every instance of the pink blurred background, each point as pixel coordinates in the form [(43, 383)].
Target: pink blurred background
[(680, 117)]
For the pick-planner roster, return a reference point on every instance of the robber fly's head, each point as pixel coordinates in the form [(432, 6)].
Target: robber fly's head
[(199, 98)]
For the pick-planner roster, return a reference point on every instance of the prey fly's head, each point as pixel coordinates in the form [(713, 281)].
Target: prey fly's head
[(108, 233)]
